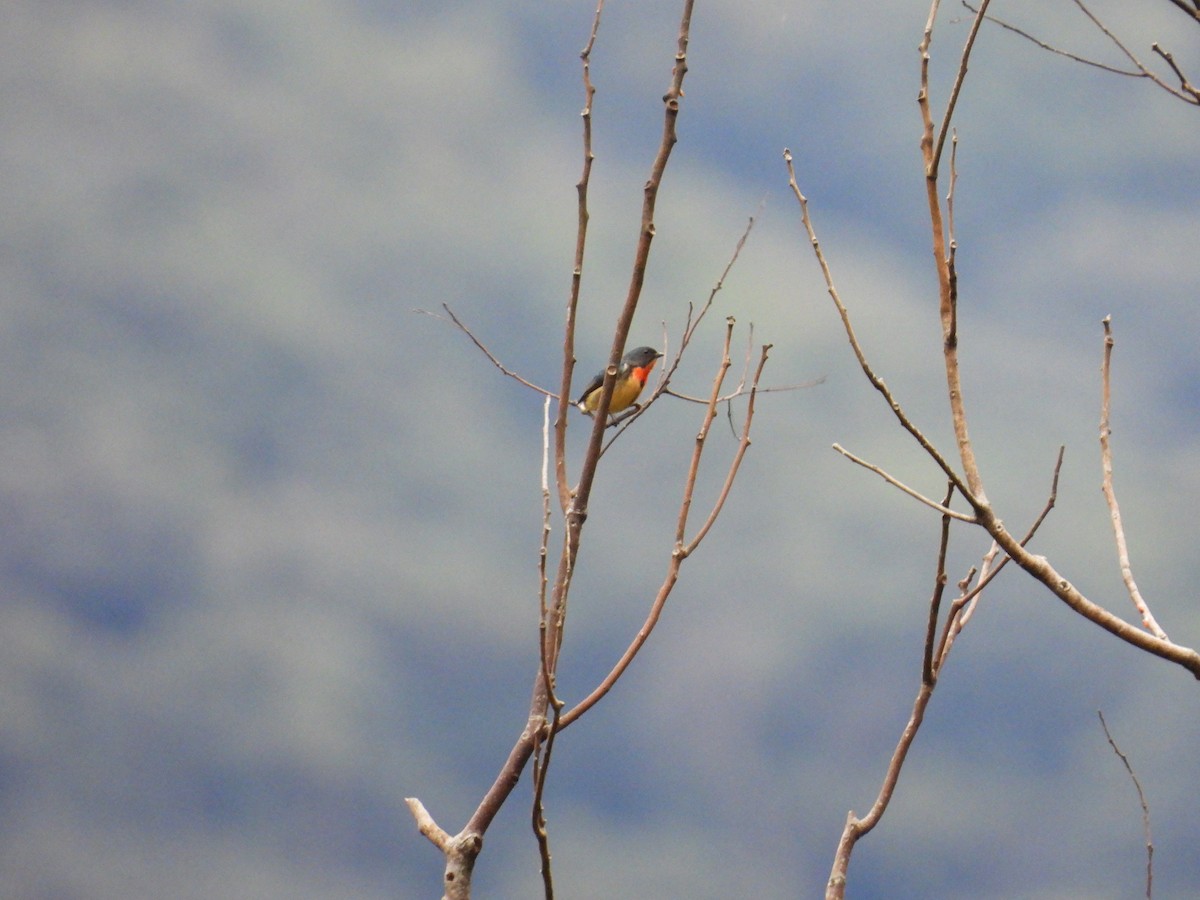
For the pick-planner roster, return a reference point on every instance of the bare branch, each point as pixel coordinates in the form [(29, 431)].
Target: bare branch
[(486, 352), (1041, 569), (876, 382), (425, 823), (1186, 91), (855, 828), (931, 166), (1192, 95), (542, 750), (735, 463), (895, 482), (1192, 11), (1050, 48), (931, 666), (1141, 799), (939, 587), (681, 552), (931, 151), (1110, 495), (581, 189), (461, 850), (741, 391)]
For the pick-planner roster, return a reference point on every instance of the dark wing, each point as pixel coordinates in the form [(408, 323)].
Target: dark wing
[(592, 385)]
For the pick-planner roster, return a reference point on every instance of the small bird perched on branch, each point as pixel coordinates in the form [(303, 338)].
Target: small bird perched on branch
[(631, 378)]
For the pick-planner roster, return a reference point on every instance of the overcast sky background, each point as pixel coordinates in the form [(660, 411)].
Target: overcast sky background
[(269, 536)]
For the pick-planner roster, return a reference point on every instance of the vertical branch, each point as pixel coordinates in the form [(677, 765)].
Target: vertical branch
[(576, 512), (682, 551), (939, 587), (877, 382), (931, 151), (542, 750), (1110, 495), (581, 188)]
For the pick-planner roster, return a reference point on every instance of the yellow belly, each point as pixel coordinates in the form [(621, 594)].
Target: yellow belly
[(624, 394)]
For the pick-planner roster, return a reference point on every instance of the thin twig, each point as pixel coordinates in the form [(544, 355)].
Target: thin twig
[(464, 847), (582, 216), (876, 381), (895, 482), (1050, 48), (486, 352), (735, 463), (1141, 799), (681, 551), (931, 665), (1186, 91), (939, 587), (1110, 494), (693, 322), (1193, 11), (931, 168)]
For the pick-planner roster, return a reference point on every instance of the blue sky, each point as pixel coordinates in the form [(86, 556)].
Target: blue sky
[(270, 535)]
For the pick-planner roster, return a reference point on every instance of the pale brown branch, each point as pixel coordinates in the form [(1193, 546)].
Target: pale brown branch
[(542, 750), (460, 851), (931, 150), (486, 352), (895, 482), (1110, 494), (641, 255), (964, 605), (582, 217), (876, 382), (425, 823), (931, 666), (1185, 92), (681, 552), (932, 165), (735, 463), (692, 324), (1192, 96), (1050, 48), (710, 413), (855, 828), (1041, 569), (544, 553), (672, 361), (741, 391), (624, 419), (1141, 800), (673, 567)]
